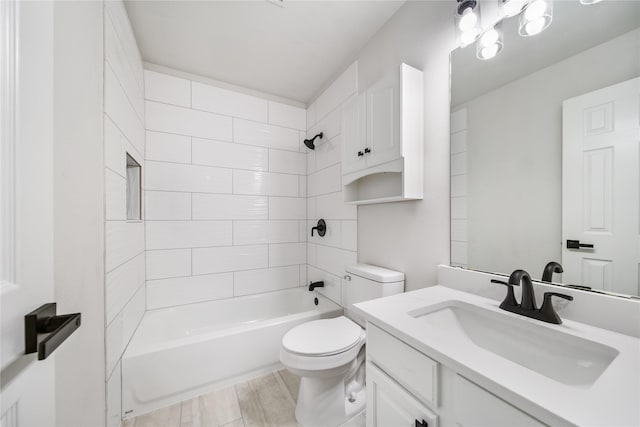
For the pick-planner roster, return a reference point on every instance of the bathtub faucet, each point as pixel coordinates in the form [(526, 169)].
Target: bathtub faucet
[(313, 285)]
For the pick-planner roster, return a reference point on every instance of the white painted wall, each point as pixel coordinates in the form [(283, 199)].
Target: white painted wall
[(225, 192), (78, 210), (125, 299), (413, 237), (327, 256), (514, 157)]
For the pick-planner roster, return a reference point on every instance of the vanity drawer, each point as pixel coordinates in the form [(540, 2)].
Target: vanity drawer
[(412, 369)]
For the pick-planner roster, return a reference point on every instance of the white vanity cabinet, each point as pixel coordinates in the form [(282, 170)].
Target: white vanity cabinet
[(388, 404), (406, 388), (382, 140)]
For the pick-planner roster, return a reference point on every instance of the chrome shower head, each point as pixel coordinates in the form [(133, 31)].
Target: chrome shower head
[(309, 142)]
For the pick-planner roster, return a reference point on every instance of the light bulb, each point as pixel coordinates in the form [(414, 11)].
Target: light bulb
[(489, 37), (468, 20), (490, 51), (535, 10), (536, 17), (490, 43), (513, 7), (535, 27)]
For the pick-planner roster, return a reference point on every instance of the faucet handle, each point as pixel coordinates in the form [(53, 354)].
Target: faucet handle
[(510, 298), (548, 295), (547, 312)]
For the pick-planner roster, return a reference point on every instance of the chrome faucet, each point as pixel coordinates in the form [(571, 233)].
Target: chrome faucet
[(528, 306)]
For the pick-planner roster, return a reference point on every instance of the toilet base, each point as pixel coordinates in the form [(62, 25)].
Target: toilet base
[(322, 402)]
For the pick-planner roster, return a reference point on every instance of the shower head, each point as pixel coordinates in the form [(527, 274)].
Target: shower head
[(309, 142)]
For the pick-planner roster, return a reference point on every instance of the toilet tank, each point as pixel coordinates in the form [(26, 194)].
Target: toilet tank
[(369, 282)]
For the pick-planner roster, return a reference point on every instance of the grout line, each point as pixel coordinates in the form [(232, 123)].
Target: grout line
[(227, 115), (224, 141), (224, 272), (224, 167)]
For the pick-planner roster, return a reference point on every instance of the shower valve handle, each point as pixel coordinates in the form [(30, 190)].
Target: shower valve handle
[(367, 150), (360, 154)]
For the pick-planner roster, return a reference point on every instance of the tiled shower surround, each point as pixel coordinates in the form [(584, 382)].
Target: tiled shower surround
[(225, 193), (231, 192)]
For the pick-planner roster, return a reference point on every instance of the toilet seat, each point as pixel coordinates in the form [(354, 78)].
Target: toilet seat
[(324, 337)]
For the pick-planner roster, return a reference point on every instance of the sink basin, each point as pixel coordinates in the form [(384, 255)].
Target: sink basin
[(557, 355)]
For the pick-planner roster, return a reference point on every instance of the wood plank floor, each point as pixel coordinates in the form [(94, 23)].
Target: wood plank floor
[(269, 400)]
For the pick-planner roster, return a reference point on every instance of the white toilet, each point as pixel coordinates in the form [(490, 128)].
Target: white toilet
[(329, 353)]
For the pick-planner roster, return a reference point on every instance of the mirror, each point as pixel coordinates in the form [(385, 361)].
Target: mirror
[(545, 158)]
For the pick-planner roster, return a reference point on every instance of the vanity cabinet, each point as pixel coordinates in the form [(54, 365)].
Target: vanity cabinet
[(388, 404), (382, 140), (407, 388), (476, 407)]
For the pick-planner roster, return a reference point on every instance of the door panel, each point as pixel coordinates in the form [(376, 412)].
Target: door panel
[(601, 188), (353, 134), (388, 404), (26, 86), (383, 120)]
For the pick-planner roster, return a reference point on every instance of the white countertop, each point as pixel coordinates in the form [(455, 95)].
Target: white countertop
[(612, 400)]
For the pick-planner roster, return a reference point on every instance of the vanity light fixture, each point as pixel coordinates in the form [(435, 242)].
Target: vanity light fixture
[(588, 2), (536, 17), (467, 19), (490, 42), (512, 7)]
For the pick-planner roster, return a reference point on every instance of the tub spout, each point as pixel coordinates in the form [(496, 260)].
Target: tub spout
[(313, 285)]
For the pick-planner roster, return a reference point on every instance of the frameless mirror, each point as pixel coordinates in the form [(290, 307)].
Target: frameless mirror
[(545, 158)]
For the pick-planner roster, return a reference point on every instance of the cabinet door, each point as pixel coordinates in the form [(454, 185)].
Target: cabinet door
[(353, 135), (383, 120), (390, 405), (476, 407)]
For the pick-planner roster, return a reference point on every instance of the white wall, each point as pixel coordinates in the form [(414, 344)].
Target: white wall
[(413, 237), (328, 255), (78, 210), (125, 299), (225, 192), (514, 157)]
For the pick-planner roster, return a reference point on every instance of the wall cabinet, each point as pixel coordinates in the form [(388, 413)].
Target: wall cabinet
[(408, 388), (383, 137)]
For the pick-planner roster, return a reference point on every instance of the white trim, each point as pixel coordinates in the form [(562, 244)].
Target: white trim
[(7, 140)]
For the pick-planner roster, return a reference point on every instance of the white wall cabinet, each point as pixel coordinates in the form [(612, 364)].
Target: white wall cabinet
[(408, 388), (383, 138)]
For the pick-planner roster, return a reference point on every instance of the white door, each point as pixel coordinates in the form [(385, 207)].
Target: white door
[(383, 120), (353, 135), (389, 405), (601, 188), (26, 190)]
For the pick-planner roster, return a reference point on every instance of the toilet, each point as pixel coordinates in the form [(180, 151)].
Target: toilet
[(328, 354)]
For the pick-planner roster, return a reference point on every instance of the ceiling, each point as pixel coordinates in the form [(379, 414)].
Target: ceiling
[(575, 28), (292, 51)]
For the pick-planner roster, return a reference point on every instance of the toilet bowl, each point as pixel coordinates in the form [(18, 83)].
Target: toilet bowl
[(329, 354)]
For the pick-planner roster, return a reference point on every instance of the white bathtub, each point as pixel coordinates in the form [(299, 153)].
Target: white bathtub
[(181, 352)]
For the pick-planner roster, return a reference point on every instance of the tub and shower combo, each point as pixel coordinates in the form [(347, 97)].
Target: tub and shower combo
[(181, 352)]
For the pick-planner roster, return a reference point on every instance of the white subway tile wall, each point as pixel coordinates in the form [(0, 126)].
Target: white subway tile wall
[(226, 185), (327, 256), (459, 235), (124, 132)]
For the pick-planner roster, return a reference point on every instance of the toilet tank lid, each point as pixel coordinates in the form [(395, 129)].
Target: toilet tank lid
[(375, 273)]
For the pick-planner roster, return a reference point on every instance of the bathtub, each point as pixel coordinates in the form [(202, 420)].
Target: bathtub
[(181, 352)]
